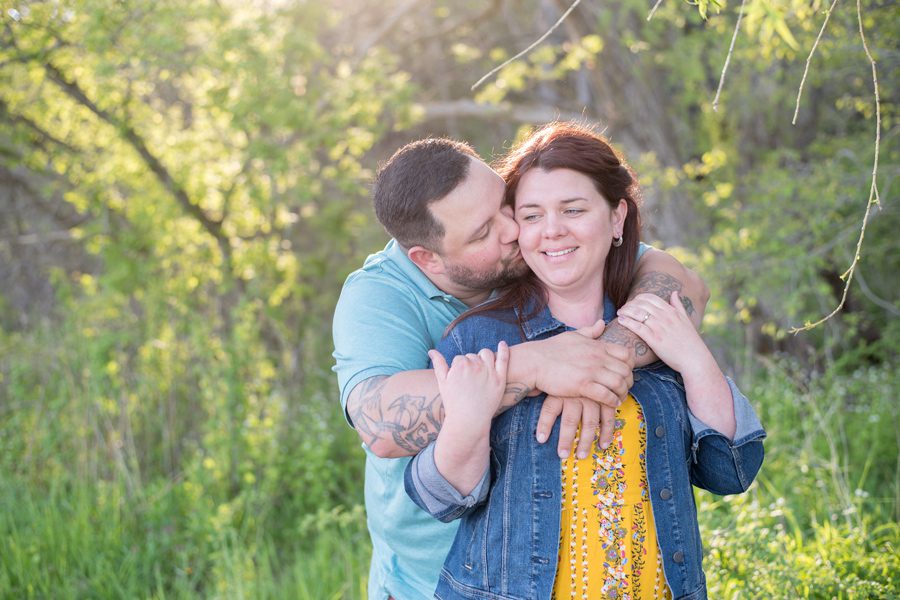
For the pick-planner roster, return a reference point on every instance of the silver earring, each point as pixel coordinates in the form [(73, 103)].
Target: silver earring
[(617, 241)]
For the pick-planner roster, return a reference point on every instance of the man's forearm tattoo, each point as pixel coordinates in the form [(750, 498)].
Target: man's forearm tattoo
[(656, 283), (514, 393), (662, 285), (616, 333), (412, 422)]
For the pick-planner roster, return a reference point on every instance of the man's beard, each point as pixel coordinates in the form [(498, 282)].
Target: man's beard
[(510, 269)]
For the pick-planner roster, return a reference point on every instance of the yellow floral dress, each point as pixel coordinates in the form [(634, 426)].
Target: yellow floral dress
[(608, 547)]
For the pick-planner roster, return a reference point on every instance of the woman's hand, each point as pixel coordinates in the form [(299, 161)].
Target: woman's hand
[(471, 390), (473, 386), (666, 328)]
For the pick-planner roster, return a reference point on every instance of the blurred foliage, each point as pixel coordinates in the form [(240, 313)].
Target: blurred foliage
[(171, 427)]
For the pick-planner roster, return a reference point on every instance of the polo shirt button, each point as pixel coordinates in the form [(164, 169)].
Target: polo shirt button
[(665, 493), (678, 557), (660, 431)]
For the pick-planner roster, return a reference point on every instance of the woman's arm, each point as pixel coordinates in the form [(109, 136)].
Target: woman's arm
[(452, 474), (667, 328), (726, 449), (472, 389)]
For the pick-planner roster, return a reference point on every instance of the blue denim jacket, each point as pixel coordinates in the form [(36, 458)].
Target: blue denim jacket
[(508, 540)]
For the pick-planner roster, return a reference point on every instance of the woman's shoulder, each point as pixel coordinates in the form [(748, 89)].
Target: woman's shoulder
[(482, 330)]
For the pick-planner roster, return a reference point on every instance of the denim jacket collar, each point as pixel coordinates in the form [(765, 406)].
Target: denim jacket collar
[(544, 322)]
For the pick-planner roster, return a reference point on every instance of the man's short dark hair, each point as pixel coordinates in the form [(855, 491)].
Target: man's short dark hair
[(416, 175)]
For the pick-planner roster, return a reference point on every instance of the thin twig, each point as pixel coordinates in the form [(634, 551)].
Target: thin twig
[(529, 48), (653, 10), (737, 26), (809, 59), (874, 199)]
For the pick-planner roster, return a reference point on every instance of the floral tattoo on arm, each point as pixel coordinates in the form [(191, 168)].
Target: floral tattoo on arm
[(410, 421)]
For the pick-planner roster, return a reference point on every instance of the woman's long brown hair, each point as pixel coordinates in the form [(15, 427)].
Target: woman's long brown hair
[(569, 145)]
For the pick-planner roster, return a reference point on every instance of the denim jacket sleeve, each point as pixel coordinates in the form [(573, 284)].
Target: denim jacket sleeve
[(725, 466), (432, 493)]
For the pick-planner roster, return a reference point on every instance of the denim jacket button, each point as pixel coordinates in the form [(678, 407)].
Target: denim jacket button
[(636, 376), (665, 494), (660, 431), (678, 557)]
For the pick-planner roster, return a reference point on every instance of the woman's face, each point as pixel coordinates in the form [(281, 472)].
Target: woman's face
[(566, 228)]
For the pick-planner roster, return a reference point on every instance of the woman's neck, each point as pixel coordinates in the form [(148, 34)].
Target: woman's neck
[(577, 309)]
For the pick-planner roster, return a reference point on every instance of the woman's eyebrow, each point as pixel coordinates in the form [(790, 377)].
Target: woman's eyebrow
[(565, 201)]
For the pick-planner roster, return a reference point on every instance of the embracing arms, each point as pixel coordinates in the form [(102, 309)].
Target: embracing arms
[(400, 414), (398, 411), (657, 273)]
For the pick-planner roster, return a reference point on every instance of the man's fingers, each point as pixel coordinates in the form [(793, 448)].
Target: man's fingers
[(549, 411), (568, 426), (590, 418), (593, 331), (440, 364), (603, 395), (675, 301), (607, 426)]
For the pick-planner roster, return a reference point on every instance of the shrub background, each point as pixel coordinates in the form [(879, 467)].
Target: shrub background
[(183, 190)]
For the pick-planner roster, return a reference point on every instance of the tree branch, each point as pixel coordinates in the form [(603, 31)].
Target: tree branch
[(653, 10), (536, 113), (529, 48), (34, 128), (74, 91), (809, 59), (737, 26), (874, 199)]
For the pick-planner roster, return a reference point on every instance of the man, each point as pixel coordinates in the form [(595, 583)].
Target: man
[(453, 243)]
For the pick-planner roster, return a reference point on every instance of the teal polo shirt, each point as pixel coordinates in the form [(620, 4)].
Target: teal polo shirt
[(388, 317)]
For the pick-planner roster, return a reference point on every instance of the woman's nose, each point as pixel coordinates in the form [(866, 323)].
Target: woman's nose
[(553, 227)]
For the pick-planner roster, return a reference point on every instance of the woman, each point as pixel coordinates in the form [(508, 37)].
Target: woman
[(621, 524)]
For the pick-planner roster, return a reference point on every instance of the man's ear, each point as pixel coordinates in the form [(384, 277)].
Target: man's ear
[(429, 261)]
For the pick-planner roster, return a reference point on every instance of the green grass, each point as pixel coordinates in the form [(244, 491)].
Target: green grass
[(99, 500)]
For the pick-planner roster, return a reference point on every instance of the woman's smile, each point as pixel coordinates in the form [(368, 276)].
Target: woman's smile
[(566, 228)]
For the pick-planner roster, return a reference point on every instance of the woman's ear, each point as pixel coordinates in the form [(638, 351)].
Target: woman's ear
[(618, 217), (429, 261)]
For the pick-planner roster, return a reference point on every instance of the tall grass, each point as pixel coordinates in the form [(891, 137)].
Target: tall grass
[(170, 465)]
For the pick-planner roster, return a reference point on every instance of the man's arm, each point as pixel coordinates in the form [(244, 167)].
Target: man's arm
[(660, 274), (400, 414)]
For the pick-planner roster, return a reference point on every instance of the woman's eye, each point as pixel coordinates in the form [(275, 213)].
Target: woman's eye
[(530, 218)]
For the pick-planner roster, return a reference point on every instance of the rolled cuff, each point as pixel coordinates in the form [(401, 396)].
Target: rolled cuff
[(434, 494), (747, 425)]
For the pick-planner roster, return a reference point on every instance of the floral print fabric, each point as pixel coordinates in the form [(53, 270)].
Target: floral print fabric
[(608, 547)]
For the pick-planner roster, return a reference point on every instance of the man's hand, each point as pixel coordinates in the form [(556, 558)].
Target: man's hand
[(572, 412), (585, 380)]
